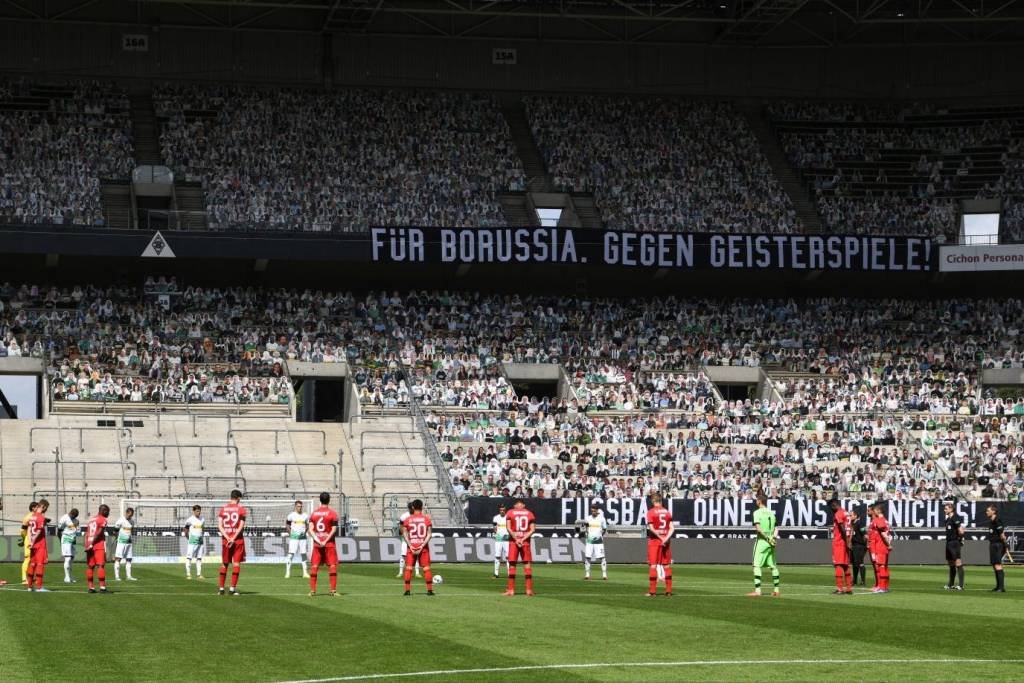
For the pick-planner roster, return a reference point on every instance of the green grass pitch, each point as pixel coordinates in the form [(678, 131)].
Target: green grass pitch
[(166, 628)]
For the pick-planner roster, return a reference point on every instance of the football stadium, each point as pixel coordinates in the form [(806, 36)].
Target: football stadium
[(511, 340)]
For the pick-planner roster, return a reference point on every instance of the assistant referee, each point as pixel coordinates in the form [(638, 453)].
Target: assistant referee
[(996, 547), (954, 544)]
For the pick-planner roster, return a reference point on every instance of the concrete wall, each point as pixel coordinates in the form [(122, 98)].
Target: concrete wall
[(727, 374), (21, 366), (1001, 376)]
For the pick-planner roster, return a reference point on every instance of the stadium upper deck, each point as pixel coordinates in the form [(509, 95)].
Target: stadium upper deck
[(346, 159)]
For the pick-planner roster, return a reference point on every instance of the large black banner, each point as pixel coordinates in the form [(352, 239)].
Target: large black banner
[(739, 512), (676, 250)]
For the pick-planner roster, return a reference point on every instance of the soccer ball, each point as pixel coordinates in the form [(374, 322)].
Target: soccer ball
[(438, 580)]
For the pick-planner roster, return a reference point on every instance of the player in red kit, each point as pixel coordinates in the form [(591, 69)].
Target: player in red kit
[(841, 549), (521, 524), (879, 544), (324, 525), (35, 540), (96, 549), (416, 532), (659, 545), (230, 522)]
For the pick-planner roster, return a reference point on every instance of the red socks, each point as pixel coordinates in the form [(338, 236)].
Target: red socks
[(334, 580), (529, 580), (839, 576), (849, 577), (653, 577), (428, 577), (234, 575), (512, 577), (88, 576), (223, 574), (408, 578), (668, 579)]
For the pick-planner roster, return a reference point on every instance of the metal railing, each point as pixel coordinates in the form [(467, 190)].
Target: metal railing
[(225, 482), (393, 505), (119, 431), (284, 466), (363, 447), (457, 513), (61, 465), (164, 447), (362, 417), (374, 477), (277, 433)]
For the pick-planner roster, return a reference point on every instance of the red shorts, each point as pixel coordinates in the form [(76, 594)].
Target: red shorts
[(880, 555), (231, 553), (96, 556), (522, 553), (658, 553), (39, 555), (840, 554), (423, 557), (323, 554)]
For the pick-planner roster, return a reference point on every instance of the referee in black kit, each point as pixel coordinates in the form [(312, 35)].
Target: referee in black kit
[(858, 546), (996, 547), (954, 544)]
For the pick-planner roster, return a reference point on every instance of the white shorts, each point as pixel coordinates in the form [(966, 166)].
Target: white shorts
[(405, 549), (123, 551), (67, 549), (501, 550), (297, 546), (195, 551), (594, 551)]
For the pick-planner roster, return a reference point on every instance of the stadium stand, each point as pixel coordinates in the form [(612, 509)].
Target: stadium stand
[(344, 160), (57, 142), (895, 169), (661, 164), (859, 396)]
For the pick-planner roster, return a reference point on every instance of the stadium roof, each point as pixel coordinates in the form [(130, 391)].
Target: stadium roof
[(769, 23)]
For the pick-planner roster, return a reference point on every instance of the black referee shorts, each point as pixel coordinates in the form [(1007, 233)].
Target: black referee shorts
[(857, 553), (952, 552), (996, 551)]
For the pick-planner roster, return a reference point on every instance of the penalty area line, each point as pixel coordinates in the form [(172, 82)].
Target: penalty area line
[(616, 665)]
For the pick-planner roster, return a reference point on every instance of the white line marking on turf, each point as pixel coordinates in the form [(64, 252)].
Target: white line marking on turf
[(616, 665)]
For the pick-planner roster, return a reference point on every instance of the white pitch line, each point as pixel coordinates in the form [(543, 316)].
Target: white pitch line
[(615, 665)]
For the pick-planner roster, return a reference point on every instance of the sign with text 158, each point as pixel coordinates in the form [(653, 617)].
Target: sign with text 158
[(504, 55), (135, 42)]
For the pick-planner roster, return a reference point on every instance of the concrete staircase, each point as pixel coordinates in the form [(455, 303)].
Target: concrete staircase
[(190, 205), (587, 212), (145, 135), (517, 211), (787, 176), (116, 200), (537, 176), (392, 466)]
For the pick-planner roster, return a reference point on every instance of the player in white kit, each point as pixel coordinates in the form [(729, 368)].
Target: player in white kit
[(68, 527), (594, 550), (123, 550), (295, 526), (196, 547), (501, 539), (405, 546)]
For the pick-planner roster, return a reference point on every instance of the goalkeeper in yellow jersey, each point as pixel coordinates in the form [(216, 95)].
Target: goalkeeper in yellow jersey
[(28, 546), (764, 546)]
